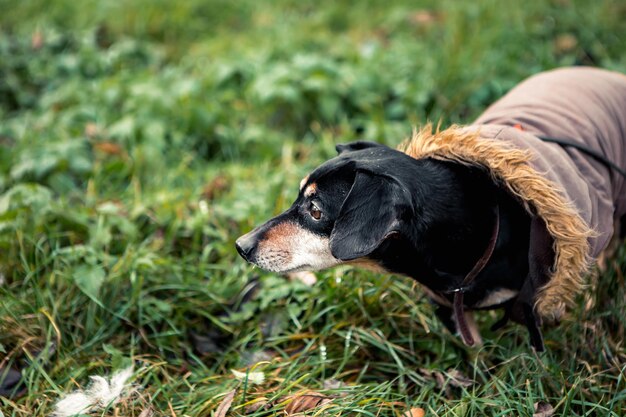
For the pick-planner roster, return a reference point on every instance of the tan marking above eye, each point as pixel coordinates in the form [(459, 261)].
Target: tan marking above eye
[(310, 190), (304, 181)]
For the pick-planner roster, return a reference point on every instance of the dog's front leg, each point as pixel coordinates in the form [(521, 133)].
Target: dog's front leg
[(540, 260), (444, 314)]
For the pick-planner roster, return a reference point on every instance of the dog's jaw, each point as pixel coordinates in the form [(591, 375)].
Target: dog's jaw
[(288, 247)]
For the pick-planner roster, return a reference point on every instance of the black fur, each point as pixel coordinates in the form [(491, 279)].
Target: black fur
[(427, 219)]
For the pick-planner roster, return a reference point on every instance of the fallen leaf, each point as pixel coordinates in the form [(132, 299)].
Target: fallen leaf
[(543, 409), (440, 380), (255, 405), (415, 412), (457, 379), (225, 404), (423, 17), (147, 412), (109, 148), (447, 381), (304, 402), (253, 377), (451, 378), (565, 43), (103, 37), (10, 383), (91, 130), (216, 186), (213, 340), (36, 41), (89, 279), (333, 384)]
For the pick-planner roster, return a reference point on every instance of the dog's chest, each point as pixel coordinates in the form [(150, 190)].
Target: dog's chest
[(491, 298), (496, 297)]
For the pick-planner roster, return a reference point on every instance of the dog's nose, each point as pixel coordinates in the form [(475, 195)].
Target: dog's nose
[(245, 246)]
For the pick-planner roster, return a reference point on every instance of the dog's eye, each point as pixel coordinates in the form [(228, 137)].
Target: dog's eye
[(315, 212)]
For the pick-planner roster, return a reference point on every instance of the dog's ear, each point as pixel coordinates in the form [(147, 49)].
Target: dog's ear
[(355, 146), (370, 213)]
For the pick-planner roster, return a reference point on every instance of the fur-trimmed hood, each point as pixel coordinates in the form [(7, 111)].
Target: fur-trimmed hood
[(577, 198)]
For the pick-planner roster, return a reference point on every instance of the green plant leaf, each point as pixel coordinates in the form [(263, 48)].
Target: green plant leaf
[(89, 278)]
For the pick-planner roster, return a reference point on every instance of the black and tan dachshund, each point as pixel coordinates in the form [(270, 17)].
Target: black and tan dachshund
[(491, 215), (427, 219)]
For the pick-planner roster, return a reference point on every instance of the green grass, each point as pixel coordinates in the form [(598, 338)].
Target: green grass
[(139, 139)]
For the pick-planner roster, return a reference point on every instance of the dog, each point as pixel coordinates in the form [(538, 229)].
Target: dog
[(506, 213)]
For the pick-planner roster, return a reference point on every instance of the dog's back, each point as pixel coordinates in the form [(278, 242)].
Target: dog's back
[(580, 103), (586, 106)]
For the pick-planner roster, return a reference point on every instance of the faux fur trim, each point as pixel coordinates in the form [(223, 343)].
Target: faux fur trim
[(511, 166)]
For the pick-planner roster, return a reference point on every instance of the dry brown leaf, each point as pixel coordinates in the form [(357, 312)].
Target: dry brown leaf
[(108, 148), (415, 412), (333, 384), (457, 379), (304, 402), (423, 17), (216, 186), (255, 406), (225, 404), (543, 409), (565, 43), (91, 130), (452, 377), (147, 412), (37, 41)]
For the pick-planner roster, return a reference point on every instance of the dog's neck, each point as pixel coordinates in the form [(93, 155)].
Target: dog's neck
[(447, 233)]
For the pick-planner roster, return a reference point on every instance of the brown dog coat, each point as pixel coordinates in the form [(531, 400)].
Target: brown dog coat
[(577, 196)]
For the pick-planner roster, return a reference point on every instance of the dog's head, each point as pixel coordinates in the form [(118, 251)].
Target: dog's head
[(345, 209)]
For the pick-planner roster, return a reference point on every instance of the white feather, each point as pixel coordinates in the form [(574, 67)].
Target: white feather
[(253, 377), (101, 393), (74, 403)]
